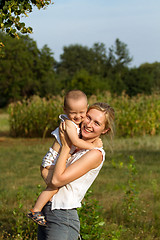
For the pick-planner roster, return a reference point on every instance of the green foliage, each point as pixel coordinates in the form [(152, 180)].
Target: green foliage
[(74, 58), (153, 71), (120, 52), (92, 222), (20, 177), (11, 11), (91, 83), (95, 59), (138, 115), (90, 214), (25, 70), (35, 117), (117, 84), (137, 81), (134, 116), (22, 227), (129, 209), (81, 79)]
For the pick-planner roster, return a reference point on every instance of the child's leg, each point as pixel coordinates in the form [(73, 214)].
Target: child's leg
[(51, 156), (43, 198), (46, 168), (48, 161)]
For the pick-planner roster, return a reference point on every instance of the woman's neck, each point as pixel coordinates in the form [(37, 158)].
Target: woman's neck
[(90, 140)]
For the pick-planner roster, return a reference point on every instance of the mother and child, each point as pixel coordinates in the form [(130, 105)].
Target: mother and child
[(71, 165)]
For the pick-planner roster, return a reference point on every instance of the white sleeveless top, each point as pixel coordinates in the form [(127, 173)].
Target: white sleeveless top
[(55, 133), (71, 195)]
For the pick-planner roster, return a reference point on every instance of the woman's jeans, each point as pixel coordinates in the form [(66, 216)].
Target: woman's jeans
[(62, 224)]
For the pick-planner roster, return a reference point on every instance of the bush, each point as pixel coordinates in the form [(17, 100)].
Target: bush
[(90, 214), (92, 222), (37, 117), (138, 115)]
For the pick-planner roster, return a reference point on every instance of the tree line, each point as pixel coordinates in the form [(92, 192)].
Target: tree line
[(26, 70)]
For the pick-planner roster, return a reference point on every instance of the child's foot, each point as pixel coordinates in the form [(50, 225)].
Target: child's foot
[(37, 217)]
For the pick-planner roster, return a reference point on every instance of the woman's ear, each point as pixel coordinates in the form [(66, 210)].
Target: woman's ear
[(106, 130)]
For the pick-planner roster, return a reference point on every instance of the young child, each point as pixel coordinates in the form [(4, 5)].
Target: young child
[(75, 108)]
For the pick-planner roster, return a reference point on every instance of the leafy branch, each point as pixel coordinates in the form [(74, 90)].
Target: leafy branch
[(12, 10)]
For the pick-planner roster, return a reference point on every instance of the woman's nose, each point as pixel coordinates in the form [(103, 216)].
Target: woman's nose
[(89, 124)]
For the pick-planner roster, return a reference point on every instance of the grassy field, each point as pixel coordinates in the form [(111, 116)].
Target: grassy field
[(4, 126), (127, 186)]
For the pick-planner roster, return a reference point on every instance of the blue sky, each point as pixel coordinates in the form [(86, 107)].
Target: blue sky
[(134, 22)]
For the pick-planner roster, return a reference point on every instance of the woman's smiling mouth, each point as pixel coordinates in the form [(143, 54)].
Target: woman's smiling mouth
[(87, 130)]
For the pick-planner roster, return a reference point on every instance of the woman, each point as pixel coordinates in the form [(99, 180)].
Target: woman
[(74, 178)]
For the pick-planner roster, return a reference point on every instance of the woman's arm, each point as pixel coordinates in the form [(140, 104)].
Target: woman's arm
[(46, 174), (63, 175)]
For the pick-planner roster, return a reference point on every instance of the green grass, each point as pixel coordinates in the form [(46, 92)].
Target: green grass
[(4, 123), (112, 182), (20, 160), (130, 200)]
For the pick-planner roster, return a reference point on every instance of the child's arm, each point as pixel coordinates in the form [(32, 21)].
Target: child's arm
[(76, 141)]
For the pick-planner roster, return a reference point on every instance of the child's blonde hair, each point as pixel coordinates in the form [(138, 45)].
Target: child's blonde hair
[(75, 95), (109, 113)]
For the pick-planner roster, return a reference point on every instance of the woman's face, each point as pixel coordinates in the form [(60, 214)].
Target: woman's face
[(93, 125)]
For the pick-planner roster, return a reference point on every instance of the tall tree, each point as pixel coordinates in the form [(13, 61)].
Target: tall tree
[(74, 58), (153, 71), (118, 61), (24, 69), (77, 57), (119, 54), (46, 73), (99, 59), (137, 81)]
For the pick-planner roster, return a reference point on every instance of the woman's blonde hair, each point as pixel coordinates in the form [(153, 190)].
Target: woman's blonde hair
[(109, 113)]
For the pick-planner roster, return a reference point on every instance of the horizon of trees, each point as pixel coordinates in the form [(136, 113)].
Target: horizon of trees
[(26, 70)]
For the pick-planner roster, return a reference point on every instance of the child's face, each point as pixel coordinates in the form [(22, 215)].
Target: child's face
[(76, 110)]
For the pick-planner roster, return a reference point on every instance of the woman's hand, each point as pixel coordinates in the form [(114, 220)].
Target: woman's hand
[(98, 143), (63, 136)]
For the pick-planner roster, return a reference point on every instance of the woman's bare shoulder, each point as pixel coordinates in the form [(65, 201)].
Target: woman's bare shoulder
[(96, 151), (95, 156)]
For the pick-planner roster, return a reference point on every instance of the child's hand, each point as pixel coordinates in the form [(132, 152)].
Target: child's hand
[(98, 143), (63, 135)]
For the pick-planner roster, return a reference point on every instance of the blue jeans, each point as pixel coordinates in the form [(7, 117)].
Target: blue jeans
[(62, 224)]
